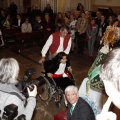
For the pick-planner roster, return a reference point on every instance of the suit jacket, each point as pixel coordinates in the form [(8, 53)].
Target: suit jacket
[(82, 111), (16, 22), (103, 26), (38, 25)]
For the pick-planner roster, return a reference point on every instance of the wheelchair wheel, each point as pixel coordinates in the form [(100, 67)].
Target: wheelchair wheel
[(45, 91)]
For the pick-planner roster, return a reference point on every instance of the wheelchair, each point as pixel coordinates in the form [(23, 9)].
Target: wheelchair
[(49, 89)]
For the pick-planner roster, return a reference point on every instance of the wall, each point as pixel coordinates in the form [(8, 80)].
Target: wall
[(113, 4), (107, 2), (74, 3)]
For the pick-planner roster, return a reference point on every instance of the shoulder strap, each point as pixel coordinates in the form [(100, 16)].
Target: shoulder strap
[(14, 93)]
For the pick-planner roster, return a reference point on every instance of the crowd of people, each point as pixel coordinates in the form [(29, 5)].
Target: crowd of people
[(61, 34)]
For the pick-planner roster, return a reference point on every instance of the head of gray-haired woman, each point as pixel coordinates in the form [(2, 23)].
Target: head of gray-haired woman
[(9, 69)]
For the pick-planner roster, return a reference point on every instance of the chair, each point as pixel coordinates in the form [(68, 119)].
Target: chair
[(8, 36), (49, 89)]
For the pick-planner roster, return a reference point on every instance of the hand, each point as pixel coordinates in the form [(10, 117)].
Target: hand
[(106, 116), (42, 60), (32, 93), (49, 75), (70, 69)]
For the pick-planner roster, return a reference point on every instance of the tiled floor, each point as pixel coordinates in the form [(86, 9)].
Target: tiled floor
[(28, 58)]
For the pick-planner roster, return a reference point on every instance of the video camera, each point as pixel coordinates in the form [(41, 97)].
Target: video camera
[(10, 112), (28, 82)]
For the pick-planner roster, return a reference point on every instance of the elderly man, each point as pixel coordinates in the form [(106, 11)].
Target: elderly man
[(78, 108), (57, 42)]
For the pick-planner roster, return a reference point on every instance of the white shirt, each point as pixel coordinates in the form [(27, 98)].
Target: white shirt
[(60, 48), (61, 70), (74, 105)]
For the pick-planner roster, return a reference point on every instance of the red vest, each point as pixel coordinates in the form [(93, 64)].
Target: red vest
[(56, 42)]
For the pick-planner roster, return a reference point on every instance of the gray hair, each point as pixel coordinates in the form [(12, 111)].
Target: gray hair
[(71, 88), (9, 69), (64, 27), (110, 69)]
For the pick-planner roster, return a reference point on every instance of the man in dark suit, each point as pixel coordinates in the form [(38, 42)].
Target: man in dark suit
[(18, 21), (78, 109)]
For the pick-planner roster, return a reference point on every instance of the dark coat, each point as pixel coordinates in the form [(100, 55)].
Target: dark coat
[(51, 66), (103, 26), (82, 111), (15, 22), (38, 25)]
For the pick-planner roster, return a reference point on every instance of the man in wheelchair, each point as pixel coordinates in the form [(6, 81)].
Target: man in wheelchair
[(60, 70)]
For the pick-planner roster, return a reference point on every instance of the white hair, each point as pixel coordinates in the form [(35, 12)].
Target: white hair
[(71, 88), (9, 69), (110, 69)]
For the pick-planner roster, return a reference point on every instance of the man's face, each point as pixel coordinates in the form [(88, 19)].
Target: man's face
[(72, 96), (63, 33)]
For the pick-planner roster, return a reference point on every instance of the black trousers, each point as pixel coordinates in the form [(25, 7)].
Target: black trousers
[(63, 82), (81, 43)]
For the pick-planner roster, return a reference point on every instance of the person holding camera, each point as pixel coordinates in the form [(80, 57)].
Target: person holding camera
[(9, 93)]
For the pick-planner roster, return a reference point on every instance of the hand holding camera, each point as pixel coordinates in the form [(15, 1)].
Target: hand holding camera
[(32, 93)]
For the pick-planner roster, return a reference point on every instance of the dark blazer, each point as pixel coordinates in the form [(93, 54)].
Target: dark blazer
[(37, 25), (82, 111), (15, 22), (103, 26)]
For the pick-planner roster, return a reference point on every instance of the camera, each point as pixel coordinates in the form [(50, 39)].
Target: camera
[(28, 82), (10, 112)]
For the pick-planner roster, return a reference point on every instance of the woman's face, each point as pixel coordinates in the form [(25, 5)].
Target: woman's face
[(102, 18), (71, 17), (26, 21), (92, 22), (47, 17), (83, 15), (63, 60)]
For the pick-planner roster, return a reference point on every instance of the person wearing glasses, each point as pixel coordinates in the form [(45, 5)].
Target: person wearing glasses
[(26, 26)]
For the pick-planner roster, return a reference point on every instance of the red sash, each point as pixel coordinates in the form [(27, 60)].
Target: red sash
[(59, 75)]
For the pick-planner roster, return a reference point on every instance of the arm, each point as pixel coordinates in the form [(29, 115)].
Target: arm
[(45, 48), (30, 28), (85, 114), (68, 65), (68, 47), (48, 67), (95, 31), (88, 31), (22, 28), (28, 110), (85, 27)]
